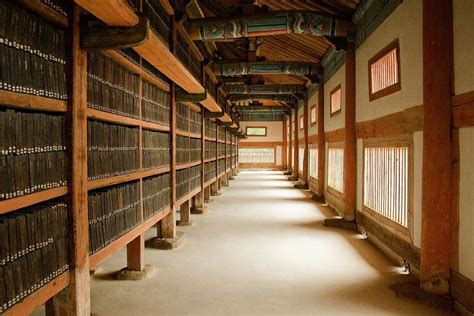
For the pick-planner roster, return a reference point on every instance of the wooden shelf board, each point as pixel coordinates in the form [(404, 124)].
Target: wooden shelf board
[(221, 141), (11, 205), (209, 182), (157, 52), (187, 196), (123, 120), (32, 102), (209, 160), (123, 61), (154, 126), (100, 183), (45, 11), (210, 139), (40, 296), (220, 157), (220, 175), (211, 104), (187, 165), (98, 257)]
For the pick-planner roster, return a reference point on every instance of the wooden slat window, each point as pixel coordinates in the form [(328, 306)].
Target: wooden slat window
[(336, 169), (256, 131), (257, 155), (313, 163), (313, 115), (386, 182), (384, 72), (336, 100), (300, 159)]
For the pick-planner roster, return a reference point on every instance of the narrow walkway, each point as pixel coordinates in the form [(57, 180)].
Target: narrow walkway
[(262, 249)]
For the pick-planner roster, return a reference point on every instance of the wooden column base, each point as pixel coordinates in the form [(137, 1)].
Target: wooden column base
[(293, 178), (198, 206), (185, 211), (301, 185), (340, 223), (412, 291), (318, 198), (166, 243), (215, 188), (207, 194)]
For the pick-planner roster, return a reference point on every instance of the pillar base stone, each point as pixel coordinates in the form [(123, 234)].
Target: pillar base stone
[(287, 173), (301, 185), (199, 210), (412, 291), (132, 275), (231, 178), (166, 243), (318, 198), (340, 223), (184, 223), (293, 178), (216, 194)]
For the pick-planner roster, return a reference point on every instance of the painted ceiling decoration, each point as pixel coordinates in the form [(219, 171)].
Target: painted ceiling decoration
[(273, 97), (266, 89), (268, 24), (227, 69)]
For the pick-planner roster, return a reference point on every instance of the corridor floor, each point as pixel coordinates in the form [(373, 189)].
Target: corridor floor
[(261, 249)]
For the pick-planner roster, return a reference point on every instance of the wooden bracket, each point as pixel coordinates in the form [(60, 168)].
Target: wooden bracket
[(95, 35), (339, 42)]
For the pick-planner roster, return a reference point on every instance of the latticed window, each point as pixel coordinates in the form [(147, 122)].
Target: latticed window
[(256, 131), (256, 155), (384, 70), (336, 100), (300, 159), (313, 115), (336, 169), (313, 163), (386, 182)]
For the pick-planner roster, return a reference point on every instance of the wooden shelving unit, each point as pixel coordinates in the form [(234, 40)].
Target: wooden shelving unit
[(188, 165), (17, 203), (123, 120), (105, 182), (31, 102)]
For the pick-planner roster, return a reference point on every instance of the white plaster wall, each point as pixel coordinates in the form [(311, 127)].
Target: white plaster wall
[(326, 153), (300, 131), (312, 101), (274, 131), (405, 23), (463, 24), (278, 155), (337, 121), (417, 181), (466, 202)]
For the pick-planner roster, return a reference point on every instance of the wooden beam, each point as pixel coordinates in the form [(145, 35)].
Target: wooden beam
[(437, 142), (261, 89), (295, 145), (290, 145), (350, 153), (75, 299), (306, 142), (112, 12), (268, 24), (232, 69), (321, 141), (284, 155)]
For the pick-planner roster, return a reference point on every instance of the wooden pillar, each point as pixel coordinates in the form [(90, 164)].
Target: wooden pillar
[(185, 212), (284, 150), (136, 254), (198, 200), (290, 142), (75, 299), (306, 140), (321, 141), (296, 145), (207, 194), (437, 143), (350, 153)]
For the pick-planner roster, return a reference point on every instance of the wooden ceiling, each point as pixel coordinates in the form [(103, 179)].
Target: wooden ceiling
[(287, 47)]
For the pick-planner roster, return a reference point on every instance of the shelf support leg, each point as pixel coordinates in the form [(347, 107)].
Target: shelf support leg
[(198, 203), (185, 211)]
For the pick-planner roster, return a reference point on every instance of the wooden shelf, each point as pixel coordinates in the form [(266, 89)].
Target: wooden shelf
[(229, 156), (14, 204), (220, 175), (210, 139), (100, 183), (31, 102), (45, 11), (221, 141), (187, 165), (209, 159), (187, 196), (123, 120), (220, 157), (154, 49), (40, 296), (123, 61), (187, 134), (98, 257), (211, 104), (209, 182)]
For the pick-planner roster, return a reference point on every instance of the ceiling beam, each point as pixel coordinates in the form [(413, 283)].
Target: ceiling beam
[(265, 89), (268, 24), (233, 69), (273, 97)]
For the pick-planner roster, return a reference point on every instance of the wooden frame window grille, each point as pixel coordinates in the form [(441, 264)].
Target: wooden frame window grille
[(336, 167), (313, 114), (301, 122), (257, 155), (256, 131), (387, 177), (384, 72), (313, 162), (336, 100), (300, 159)]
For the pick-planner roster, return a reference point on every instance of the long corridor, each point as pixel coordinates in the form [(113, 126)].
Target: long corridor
[(261, 249)]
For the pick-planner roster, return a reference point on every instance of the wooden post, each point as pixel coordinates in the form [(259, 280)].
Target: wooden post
[(198, 200), (207, 194), (350, 153), (437, 143), (184, 210), (284, 154), (290, 143), (306, 141), (296, 146), (321, 142), (136, 254), (75, 299)]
